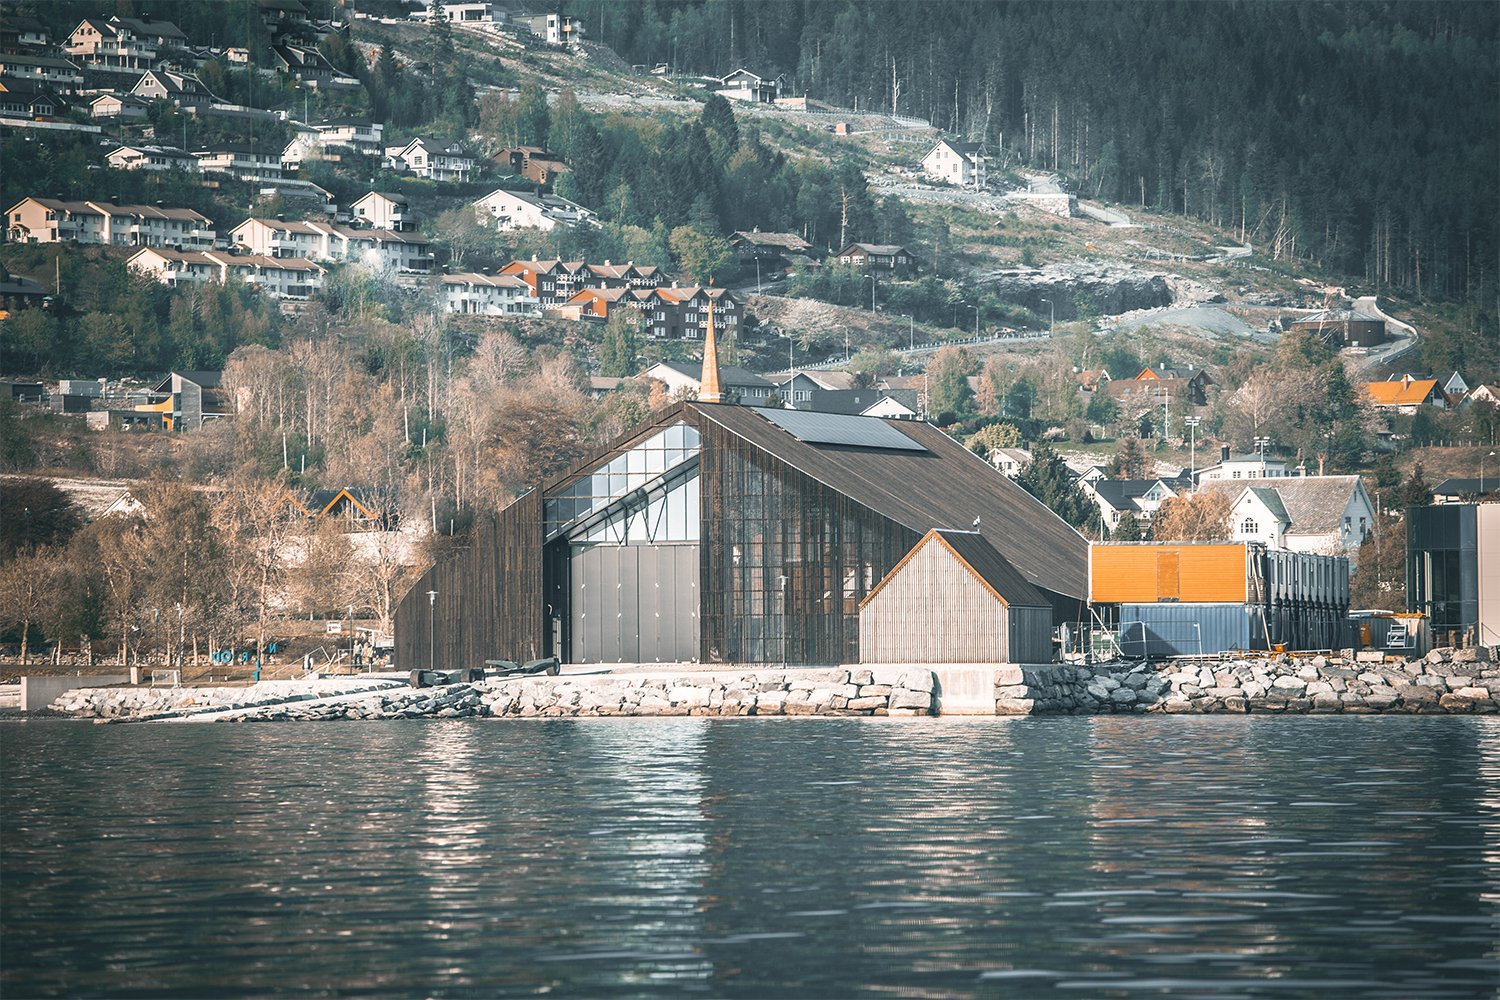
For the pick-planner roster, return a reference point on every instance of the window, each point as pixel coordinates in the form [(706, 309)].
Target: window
[(1249, 527), (1236, 474), (1348, 524)]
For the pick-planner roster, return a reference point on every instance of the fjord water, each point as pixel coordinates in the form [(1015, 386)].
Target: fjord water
[(1203, 856)]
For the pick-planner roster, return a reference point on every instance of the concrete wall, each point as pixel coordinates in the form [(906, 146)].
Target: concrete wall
[(39, 692)]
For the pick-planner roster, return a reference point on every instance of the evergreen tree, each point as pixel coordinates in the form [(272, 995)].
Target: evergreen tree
[(617, 351), (1048, 478)]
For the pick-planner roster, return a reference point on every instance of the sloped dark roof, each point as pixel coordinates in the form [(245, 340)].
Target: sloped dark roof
[(945, 486), (728, 374), (1464, 487), (993, 569), (1313, 505)]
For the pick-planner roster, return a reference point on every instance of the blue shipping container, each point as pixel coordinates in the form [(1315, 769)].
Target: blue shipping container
[(1157, 630)]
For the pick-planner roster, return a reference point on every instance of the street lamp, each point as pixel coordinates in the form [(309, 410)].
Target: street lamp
[(1260, 447), (911, 333), (351, 638), (976, 321), (431, 628), (1051, 317), (1192, 426), (873, 282), (757, 274), (1482, 459)]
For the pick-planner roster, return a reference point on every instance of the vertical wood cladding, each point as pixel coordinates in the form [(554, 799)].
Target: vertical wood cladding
[(764, 521), (933, 610), (489, 597)]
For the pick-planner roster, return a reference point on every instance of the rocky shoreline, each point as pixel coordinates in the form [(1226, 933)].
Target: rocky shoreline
[(1446, 681)]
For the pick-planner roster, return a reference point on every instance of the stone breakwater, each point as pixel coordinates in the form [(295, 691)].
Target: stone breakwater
[(832, 692), (138, 703), (1444, 681)]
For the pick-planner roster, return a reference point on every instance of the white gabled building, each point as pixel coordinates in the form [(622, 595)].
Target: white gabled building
[(183, 89), (152, 158), (337, 244), (430, 158), (379, 210), (1329, 515), (279, 277), (509, 210), (957, 163), (488, 295)]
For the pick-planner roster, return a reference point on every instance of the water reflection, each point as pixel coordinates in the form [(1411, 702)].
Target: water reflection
[(1097, 857)]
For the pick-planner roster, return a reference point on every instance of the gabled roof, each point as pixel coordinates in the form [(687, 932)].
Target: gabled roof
[(1407, 391), (728, 374), (1466, 487), (975, 554), (1168, 372), (877, 249), (968, 150), (1312, 505), (781, 241), (493, 280), (1272, 501)]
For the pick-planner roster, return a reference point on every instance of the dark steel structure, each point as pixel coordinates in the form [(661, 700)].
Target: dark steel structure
[(724, 533)]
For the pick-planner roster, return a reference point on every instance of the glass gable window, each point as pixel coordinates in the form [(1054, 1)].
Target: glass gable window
[(644, 464)]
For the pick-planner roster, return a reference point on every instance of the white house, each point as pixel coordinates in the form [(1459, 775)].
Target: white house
[(488, 295), (243, 161), (38, 70), (279, 277), (889, 406), (957, 163), (1010, 461), (522, 210), (1330, 515), (122, 43), (554, 29), (152, 158), (121, 106), (326, 242), (438, 161), (1141, 498), (1254, 466), (380, 210)]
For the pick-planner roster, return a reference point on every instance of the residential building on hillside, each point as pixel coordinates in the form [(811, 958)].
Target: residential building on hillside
[(60, 74), (958, 163), (1406, 394), (333, 140), (554, 29), (895, 403), (1186, 383), (119, 106), (743, 85), (30, 100), (1010, 461), (379, 210), (773, 249), (433, 159), (47, 220), (738, 384), (1256, 465), (1141, 498), (327, 242), (309, 65), (1482, 393), (122, 43), (183, 89), (1343, 327), (279, 277), (509, 210), (488, 295), (241, 161), (20, 34), (1324, 514), (1466, 490), (152, 158), (532, 162), (797, 388), (877, 257), (188, 400)]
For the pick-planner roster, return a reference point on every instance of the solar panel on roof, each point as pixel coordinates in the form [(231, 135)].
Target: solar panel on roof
[(840, 429)]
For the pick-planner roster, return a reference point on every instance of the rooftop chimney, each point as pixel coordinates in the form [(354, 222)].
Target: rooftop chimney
[(1223, 453)]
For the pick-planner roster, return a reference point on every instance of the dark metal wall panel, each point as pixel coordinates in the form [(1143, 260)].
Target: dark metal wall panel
[(633, 604), (489, 597)]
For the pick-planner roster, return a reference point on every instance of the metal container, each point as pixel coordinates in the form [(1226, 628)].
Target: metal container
[(1157, 630)]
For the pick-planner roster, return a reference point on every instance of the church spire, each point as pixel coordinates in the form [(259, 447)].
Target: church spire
[(709, 390)]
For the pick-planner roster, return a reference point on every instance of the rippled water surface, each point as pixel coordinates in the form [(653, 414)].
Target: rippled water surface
[(1211, 856)]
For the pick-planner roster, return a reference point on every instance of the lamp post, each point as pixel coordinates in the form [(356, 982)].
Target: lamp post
[(431, 629), (757, 274), (1192, 426), (911, 333), (350, 620), (1051, 317), (1260, 447), (1482, 460), (781, 584), (873, 282), (976, 321)]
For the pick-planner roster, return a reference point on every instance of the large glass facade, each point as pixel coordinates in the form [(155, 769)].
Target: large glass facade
[(1442, 563), (641, 466), (790, 561)]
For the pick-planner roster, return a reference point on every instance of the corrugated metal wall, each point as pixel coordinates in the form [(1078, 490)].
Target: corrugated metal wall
[(1154, 630)]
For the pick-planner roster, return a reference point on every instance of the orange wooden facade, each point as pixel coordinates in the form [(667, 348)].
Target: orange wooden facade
[(1190, 573)]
